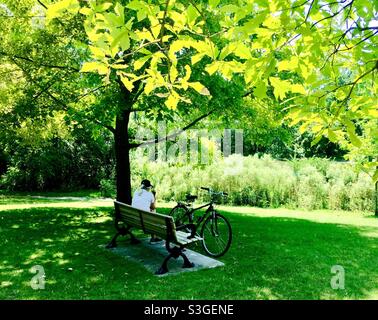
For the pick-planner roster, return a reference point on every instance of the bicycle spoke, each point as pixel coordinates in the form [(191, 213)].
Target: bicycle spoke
[(180, 215), (216, 235), (216, 231)]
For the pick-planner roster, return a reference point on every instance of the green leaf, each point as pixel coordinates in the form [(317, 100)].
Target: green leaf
[(119, 10), (260, 90), (197, 57), (316, 140), (127, 83), (122, 40), (98, 67), (353, 138), (173, 73), (149, 87), (212, 67), (119, 66), (172, 101), (213, 3), (272, 22), (140, 62), (188, 73), (103, 7), (177, 45), (239, 49), (280, 87), (192, 14), (135, 5), (98, 53), (288, 65), (56, 9), (297, 88), (200, 88), (86, 11), (332, 136)]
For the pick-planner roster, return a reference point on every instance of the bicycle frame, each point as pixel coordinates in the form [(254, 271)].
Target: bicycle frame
[(205, 225), (202, 218)]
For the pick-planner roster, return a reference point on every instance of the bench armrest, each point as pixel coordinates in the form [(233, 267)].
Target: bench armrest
[(190, 226)]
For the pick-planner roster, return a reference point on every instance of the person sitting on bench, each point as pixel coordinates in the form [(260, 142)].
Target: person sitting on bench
[(144, 199)]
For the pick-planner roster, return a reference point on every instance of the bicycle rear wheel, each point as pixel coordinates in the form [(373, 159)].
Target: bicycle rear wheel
[(217, 235), (181, 215)]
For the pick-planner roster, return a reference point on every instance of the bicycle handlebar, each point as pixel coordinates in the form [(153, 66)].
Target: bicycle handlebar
[(214, 192)]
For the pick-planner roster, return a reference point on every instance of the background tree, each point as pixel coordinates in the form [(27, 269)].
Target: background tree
[(313, 56)]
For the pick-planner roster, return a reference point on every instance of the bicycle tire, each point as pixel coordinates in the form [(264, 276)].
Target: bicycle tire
[(209, 237), (181, 215)]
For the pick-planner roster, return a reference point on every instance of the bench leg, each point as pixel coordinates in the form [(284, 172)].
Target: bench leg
[(113, 242), (164, 267), (174, 253), (187, 263), (133, 239), (122, 232)]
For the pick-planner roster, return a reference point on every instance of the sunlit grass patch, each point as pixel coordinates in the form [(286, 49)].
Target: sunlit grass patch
[(276, 254)]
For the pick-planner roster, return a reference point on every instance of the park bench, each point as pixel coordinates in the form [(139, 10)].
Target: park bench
[(163, 226)]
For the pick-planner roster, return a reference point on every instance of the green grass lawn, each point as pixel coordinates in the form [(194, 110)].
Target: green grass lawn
[(275, 254), (25, 198)]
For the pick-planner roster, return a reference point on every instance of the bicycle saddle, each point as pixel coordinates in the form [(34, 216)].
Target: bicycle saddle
[(190, 197)]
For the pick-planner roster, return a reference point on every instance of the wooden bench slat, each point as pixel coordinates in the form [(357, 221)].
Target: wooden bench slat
[(182, 237), (132, 221), (151, 222), (158, 224)]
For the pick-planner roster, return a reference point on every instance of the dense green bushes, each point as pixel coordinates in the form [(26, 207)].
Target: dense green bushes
[(305, 183), (58, 163), (312, 183)]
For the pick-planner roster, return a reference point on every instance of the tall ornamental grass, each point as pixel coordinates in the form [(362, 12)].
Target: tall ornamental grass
[(264, 182)]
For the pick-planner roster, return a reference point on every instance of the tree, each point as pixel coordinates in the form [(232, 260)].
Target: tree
[(313, 56)]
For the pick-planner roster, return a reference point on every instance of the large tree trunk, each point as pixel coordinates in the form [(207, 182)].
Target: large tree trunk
[(122, 151)]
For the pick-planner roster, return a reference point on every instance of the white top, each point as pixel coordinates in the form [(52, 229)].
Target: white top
[(142, 200)]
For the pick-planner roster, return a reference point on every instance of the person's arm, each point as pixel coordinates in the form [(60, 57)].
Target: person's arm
[(153, 203)]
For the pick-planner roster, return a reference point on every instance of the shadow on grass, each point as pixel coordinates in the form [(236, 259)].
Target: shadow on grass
[(270, 258)]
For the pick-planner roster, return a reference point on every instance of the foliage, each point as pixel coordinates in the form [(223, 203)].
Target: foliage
[(60, 162), (315, 57), (87, 61), (107, 188), (264, 182)]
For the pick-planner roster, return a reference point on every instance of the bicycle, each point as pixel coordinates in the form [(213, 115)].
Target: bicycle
[(216, 232)]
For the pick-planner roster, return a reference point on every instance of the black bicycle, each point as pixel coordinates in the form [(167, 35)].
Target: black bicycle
[(215, 231)]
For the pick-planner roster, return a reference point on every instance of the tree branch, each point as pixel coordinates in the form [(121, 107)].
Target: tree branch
[(89, 92), (58, 101), (173, 135), (162, 29), (110, 128), (332, 15), (353, 84), (359, 42), (52, 66), (309, 10), (358, 79), (52, 82), (43, 5)]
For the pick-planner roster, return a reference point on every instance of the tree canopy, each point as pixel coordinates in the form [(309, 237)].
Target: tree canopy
[(313, 60)]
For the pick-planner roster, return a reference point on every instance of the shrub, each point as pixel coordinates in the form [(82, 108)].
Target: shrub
[(263, 182), (108, 188)]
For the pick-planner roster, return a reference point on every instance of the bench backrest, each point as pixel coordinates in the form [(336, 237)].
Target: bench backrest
[(158, 224)]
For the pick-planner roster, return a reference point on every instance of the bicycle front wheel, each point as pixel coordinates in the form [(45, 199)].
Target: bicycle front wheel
[(216, 235)]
